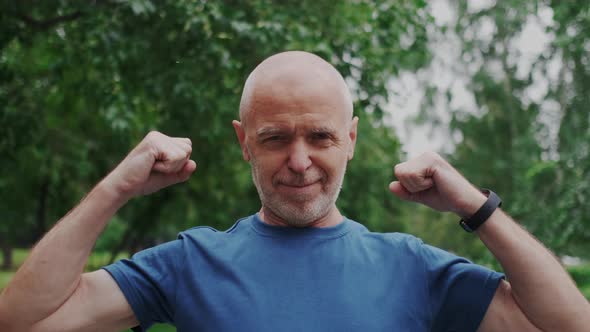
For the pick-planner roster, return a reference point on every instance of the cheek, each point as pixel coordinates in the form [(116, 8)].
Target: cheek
[(268, 165), (332, 163)]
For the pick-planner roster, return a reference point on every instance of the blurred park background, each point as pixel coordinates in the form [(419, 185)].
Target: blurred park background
[(500, 88)]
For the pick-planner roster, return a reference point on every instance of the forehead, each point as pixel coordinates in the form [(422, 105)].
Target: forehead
[(272, 118), (306, 106), (306, 123)]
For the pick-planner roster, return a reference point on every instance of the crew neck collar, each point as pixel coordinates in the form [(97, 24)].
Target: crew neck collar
[(312, 232)]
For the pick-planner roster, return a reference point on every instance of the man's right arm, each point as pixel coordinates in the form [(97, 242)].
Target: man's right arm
[(50, 292), (97, 304)]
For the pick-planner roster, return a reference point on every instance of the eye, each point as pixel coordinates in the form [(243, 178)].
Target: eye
[(322, 139), (274, 138), (322, 136)]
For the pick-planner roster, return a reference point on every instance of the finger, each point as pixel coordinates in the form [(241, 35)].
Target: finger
[(189, 167), (183, 141), (400, 191), (182, 175), (161, 166), (413, 176), (159, 180), (416, 183), (173, 159), (185, 172), (169, 166)]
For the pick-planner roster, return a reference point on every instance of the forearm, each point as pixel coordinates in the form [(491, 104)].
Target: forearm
[(540, 286), (52, 271)]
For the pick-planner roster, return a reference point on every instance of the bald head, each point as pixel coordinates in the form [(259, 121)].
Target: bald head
[(294, 75), (298, 134)]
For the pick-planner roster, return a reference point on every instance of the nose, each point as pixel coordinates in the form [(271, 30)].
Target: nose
[(299, 159)]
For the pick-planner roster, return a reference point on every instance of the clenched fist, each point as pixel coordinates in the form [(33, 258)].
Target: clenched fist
[(156, 162), (432, 181)]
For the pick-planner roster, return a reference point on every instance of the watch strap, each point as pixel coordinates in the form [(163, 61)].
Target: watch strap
[(483, 214)]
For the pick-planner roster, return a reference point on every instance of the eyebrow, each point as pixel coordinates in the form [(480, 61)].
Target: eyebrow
[(266, 131), (322, 130)]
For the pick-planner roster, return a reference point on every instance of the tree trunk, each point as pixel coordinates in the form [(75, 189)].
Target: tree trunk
[(6, 257), (41, 215)]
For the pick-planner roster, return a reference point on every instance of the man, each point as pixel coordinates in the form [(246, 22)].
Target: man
[(298, 264)]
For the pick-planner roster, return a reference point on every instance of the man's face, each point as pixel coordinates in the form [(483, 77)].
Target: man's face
[(298, 142)]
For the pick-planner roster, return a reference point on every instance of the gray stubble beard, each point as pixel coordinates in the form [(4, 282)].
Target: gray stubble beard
[(295, 215)]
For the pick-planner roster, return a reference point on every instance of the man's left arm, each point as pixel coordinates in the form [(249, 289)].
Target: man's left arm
[(540, 295)]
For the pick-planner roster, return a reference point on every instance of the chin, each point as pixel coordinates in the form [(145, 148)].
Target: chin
[(298, 216)]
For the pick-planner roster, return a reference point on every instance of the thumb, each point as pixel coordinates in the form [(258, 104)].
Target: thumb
[(400, 191), (182, 175), (160, 180)]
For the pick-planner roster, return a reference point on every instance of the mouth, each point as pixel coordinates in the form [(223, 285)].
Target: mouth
[(300, 188), (299, 185)]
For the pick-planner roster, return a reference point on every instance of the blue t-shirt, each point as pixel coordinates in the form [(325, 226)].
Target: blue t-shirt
[(258, 277)]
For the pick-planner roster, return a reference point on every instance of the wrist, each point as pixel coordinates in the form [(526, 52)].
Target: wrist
[(110, 193), (492, 203), (472, 202)]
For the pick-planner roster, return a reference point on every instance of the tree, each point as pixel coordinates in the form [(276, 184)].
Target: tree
[(507, 143), (83, 83)]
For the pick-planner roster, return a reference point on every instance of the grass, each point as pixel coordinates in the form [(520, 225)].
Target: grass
[(162, 328), (95, 261), (5, 277), (581, 275)]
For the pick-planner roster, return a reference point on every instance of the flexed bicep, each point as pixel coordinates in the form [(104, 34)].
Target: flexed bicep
[(98, 304)]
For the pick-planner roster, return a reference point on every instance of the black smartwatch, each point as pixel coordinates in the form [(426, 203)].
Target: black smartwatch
[(485, 211)]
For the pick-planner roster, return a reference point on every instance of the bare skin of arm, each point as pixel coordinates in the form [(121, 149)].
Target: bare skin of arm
[(50, 292), (539, 285), (540, 295)]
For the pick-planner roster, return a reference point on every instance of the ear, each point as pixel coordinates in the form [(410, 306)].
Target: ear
[(241, 133), (352, 136)]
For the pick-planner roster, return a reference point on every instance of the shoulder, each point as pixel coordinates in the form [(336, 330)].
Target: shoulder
[(239, 226), (392, 242), (207, 235), (394, 239)]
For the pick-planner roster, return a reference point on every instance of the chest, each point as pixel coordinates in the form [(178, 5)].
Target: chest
[(320, 288)]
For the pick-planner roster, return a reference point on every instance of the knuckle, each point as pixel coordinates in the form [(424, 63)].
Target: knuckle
[(153, 134), (428, 155), (398, 170), (152, 137), (434, 156)]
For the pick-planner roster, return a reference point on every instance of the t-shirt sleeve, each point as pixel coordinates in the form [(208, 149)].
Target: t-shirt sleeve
[(149, 282), (459, 291)]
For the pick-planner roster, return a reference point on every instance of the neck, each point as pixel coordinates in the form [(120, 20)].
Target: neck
[(332, 218)]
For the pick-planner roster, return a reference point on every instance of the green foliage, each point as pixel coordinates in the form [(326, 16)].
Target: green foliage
[(81, 84), (364, 195), (443, 231), (543, 180), (581, 275), (570, 229)]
